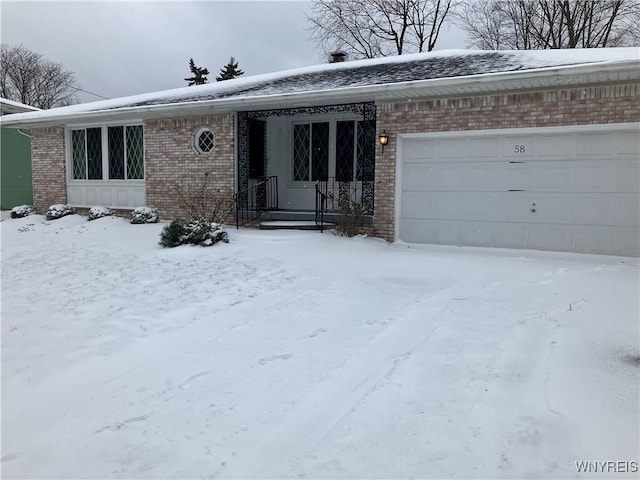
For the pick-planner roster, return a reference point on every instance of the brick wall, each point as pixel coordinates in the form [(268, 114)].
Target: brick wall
[(575, 106), (171, 159), (49, 175)]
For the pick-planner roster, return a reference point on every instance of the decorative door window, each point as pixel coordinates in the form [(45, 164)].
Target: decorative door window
[(311, 151), (349, 150)]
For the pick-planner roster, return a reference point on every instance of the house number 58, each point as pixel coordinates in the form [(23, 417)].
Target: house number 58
[(519, 149)]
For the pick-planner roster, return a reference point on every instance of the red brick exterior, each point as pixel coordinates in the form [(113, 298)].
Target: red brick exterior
[(575, 106), (171, 159), (49, 172)]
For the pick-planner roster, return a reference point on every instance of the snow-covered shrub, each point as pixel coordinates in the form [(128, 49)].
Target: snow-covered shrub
[(58, 210), (99, 212), (193, 232), (22, 211), (351, 219), (144, 215)]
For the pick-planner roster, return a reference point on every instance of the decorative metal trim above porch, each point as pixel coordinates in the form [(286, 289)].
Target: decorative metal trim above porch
[(366, 110)]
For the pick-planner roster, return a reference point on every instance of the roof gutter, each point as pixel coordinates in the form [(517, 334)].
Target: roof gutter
[(357, 93)]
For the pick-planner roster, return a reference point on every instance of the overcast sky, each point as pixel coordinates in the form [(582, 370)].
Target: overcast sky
[(120, 48)]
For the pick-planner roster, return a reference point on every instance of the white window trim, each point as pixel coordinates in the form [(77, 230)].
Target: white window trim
[(105, 154), (196, 140)]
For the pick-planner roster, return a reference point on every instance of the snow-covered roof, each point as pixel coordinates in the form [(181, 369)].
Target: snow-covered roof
[(406, 76), (9, 106)]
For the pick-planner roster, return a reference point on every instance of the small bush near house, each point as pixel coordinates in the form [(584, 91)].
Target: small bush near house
[(22, 211), (58, 210), (144, 215), (351, 221), (202, 201), (99, 212), (192, 232)]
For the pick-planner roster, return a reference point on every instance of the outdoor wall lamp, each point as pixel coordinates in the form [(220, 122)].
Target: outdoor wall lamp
[(384, 139)]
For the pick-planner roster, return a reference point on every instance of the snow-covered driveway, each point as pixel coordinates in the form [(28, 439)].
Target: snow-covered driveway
[(299, 354)]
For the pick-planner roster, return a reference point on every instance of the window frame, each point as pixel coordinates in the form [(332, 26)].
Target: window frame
[(332, 120), (196, 140), (104, 132)]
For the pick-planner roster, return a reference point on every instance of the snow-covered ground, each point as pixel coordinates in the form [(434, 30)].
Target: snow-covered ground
[(297, 354)]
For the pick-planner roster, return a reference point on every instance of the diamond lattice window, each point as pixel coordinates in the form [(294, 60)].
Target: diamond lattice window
[(205, 141), (116, 153), (135, 153), (344, 151), (79, 154), (123, 158), (94, 153), (301, 151)]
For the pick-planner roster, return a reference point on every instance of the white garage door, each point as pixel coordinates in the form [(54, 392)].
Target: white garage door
[(551, 189)]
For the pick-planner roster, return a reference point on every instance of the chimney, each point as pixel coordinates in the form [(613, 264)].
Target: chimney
[(337, 57)]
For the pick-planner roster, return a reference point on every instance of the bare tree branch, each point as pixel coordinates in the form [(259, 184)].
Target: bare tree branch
[(539, 24), (27, 77), (374, 28)]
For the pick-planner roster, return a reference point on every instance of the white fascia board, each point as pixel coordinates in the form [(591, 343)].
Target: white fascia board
[(575, 74)]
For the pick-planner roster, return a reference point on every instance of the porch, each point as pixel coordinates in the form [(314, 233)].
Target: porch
[(335, 202), (306, 164)]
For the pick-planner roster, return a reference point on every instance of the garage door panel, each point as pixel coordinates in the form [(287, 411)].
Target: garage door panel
[(626, 211), (550, 237), (438, 232), (552, 176), (551, 209), (515, 176), (482, 206), (414, 151), (625, 242), (478, 234), (485, 147), (518, 147), (595, 144), (629, 143), (591, 239), (628, 177), (484, 176), (555, 145), (417, 205), (450, 206), (513, 235), (560, 190), (451, 148), (594, 177), (434, 176), (592, 210)]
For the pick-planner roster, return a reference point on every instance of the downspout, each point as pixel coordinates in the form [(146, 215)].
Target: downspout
[(23, 133)]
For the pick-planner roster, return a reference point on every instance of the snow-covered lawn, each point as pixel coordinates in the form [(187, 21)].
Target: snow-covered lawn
[(290, 354)]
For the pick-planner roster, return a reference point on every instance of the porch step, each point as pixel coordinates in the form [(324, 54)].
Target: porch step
[(307, 215), (293, 225)]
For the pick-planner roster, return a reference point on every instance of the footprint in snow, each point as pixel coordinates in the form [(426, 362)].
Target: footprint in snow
[(265, 360), (317, 332), (187, 382)]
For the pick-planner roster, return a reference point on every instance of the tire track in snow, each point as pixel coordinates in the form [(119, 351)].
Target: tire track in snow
[(332, 399)]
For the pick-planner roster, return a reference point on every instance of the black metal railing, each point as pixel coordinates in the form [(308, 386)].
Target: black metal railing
[(321, 203), (256, 200), (332, 196)]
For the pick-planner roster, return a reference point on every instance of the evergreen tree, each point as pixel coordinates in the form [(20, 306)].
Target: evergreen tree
[(199, 74), (230, 71)]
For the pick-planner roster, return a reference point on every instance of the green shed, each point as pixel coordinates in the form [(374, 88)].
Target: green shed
[(15, 160)]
